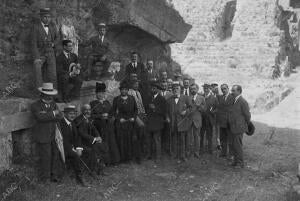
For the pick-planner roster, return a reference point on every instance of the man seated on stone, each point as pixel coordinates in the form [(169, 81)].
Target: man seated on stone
[(134, 66), (94, 151), (71, 141), (100, 49), (68, 73)]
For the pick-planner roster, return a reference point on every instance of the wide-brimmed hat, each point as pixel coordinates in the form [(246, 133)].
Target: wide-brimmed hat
[(156, 84), (45, 11), (251, 129), (70, 108), (47, 88), (100, 87)]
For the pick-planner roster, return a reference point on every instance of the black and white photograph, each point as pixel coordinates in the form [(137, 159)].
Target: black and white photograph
[(149, 100)]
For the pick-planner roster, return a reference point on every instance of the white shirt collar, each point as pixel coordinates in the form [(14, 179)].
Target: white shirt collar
[(67, 121), (66, 54)]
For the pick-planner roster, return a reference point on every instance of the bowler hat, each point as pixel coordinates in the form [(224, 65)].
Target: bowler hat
[(124, 85), (44, 11), (100, 87), (70, 108), (47, 88), (156, 84), (251, 129)]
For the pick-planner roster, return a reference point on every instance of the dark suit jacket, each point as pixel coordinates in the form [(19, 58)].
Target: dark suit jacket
[(40, 40), (98, 47), (179, 122), (63, 63), (44, 129), (86, 130), (211, 106), (167, 95), (147, 76), (70, 136), (139, 70), (157, 116), (240, 116), (199, 107), (223, 110)]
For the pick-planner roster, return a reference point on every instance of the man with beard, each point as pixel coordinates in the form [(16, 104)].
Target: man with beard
[(71, 141), (94, 151)]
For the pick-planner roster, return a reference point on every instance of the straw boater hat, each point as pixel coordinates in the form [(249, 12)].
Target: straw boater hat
[(101, 24), (175, 84), (47, 88), (70, 108)]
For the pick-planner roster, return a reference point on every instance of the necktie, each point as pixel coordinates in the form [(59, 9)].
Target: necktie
[(193, 100), (69, 55), (186, 93), (46, 25)]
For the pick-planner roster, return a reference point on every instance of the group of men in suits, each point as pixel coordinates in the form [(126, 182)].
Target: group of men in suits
[(62, 68)]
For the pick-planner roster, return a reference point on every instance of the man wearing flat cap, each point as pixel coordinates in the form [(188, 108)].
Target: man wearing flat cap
[(44, 37), (71, 141), (100, 49), (208, 120), (47, 115)]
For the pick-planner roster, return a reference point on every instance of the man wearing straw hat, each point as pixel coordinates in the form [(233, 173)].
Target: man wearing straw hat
[(44, 37), (46, 114)]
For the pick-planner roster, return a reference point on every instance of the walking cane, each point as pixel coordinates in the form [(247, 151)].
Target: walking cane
[(87, 168)]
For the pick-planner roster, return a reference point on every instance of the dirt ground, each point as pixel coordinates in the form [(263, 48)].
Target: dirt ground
[(272, 156)]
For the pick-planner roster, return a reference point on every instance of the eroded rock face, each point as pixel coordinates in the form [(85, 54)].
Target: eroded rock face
[(144, 26)]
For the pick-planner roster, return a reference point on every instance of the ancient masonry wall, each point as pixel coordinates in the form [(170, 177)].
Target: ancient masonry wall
[(253, 46)]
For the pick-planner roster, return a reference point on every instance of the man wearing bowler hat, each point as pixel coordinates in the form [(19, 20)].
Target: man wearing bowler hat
[(71, 141), (156, 110), (47, 115), (100, 48), (44, 37)]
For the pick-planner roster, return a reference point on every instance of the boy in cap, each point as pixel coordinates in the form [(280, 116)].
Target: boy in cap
[(47, 115), (44, 37)]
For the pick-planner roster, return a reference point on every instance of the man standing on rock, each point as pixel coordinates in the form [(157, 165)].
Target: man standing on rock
[(43, 39), (134, 66), (238, 120)]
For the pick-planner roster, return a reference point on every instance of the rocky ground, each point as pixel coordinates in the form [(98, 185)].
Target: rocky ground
[(271, 156)]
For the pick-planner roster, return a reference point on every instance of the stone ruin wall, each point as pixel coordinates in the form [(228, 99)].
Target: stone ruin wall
[(253, 46)]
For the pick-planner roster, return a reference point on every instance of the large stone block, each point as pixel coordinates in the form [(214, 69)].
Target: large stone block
[(155, 17), (5, 151)]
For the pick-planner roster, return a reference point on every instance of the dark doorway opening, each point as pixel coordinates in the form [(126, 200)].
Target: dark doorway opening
[(229, 12)]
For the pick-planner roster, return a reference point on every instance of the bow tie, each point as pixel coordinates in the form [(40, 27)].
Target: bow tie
[(46, 25)]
